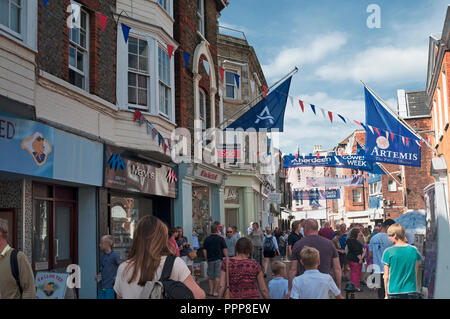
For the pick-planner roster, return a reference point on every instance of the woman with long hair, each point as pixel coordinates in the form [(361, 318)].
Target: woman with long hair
[(245, 275), (355, 256), (146, 259)]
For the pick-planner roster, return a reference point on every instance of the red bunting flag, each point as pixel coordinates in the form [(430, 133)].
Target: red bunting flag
[(302, 106), (296, 156), (318, 155), (137, 115), (170, 49), (222, 73), (342, 153), (266, 89), (392, 137), (376, 130), (102, 20), (406, 139), (330, 114)]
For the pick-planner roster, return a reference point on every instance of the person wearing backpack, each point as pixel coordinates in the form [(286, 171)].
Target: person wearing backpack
[(152, 271), (270, 249), (16, 275)]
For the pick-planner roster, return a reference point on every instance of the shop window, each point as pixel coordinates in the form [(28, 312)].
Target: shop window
[(201, 217), (357, 195), (79, 50), (125, 213), (138, 73)]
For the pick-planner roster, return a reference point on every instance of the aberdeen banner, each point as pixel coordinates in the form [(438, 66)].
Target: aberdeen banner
[(334, 182), (385, 147), (316, 194), (358, 162)]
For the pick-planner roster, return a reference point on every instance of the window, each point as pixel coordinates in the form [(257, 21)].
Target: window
[(357, 195), (201, 16), (436, 129), (138, 73), (165, 5), (79, 52), (202, 104), (444, 89), (441, 124), (375, 188), (165, 95), (10, 14), (392, 186), (231, 87)]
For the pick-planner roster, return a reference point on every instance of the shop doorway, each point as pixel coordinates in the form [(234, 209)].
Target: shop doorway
[(231, 217), (54, 227)]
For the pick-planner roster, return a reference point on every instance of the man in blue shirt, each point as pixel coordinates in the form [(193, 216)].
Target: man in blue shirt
[(109, 262), (378, 244)]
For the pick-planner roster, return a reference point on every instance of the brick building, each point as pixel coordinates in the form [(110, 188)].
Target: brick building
[(201, 190)]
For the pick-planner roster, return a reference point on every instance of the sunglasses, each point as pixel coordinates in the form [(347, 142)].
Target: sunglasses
[(229, 232)]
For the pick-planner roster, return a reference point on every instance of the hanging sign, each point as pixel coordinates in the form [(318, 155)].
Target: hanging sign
[(384, 147), (317, 195), (334, 182), (358, 162)]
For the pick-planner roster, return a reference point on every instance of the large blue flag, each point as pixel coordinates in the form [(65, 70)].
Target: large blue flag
[(378, 116), (376, 169), (268, 114)]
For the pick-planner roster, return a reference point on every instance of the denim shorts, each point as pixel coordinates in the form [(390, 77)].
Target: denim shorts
[(106, 293), (214, 268)]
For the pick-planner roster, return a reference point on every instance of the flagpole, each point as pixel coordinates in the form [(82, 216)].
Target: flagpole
[(295, 70), (389, 173), (402, 121)]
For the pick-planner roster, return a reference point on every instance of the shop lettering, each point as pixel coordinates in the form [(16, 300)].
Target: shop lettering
[(142, 172), (7, 130), (391, 154), (208, 175)]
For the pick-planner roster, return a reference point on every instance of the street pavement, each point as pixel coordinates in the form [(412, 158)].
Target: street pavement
[(365, 292)]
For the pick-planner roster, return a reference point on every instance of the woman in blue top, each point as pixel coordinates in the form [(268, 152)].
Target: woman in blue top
[(401, 266)]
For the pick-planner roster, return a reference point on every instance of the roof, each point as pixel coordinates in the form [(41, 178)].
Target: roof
[(417, 103)]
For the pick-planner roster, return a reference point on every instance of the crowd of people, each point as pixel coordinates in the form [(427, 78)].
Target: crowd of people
[(320, 261)]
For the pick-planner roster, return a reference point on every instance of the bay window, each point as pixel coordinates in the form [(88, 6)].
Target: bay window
[(138, 73), (79, 52), (165, 94), (10, 15)]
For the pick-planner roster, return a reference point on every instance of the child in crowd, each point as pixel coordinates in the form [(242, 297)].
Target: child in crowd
[(313, 284), (109, 262), (278, 286)]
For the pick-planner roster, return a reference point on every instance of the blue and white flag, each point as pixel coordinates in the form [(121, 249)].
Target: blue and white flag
[(397, 149), (268, 114), (317, 195), (379, 117)]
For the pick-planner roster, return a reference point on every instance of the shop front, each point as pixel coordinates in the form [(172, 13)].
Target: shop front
[(134, 187), (200, 200), (48, 194)]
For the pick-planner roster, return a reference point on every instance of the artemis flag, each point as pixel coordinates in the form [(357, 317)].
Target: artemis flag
[(268, 114)]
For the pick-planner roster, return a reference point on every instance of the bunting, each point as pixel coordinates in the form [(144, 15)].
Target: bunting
[(170, 49), (139, 117), (301, 105), (126, 32), (237, 78), (222, 73), (313, 107), (45, 2), (266, 90), (187, 58), (330, 115)]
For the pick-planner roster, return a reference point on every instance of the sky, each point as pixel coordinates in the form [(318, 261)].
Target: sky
[(334, 48)]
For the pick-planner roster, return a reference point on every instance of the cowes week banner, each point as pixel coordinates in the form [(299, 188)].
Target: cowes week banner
[(358, 162)]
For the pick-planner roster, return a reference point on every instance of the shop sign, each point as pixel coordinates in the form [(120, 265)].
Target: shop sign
[(208, 176), (229, 152), (129, 175), (27, 147), (275, 198), (51, 285), (231, 195)]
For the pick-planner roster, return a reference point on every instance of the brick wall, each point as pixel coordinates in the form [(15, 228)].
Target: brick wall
[(185, 33), (53, 45)]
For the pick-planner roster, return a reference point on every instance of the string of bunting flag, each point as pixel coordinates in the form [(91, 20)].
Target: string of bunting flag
[(331, 116), (138, 116)]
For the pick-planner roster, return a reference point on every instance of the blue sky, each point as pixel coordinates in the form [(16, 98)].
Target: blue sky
[(331, 43)]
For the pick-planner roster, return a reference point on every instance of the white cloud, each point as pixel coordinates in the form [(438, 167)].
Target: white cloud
[(388, 64), (316, 50)]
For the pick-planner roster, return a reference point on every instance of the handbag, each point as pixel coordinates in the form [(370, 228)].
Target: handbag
[(227, 293)]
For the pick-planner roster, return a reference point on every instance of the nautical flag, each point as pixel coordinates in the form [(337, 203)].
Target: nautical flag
[(187, 58), (126, 32), (378, 116), (342, 118), (313, 107), (268, 114), (301, 105), (237, 77)]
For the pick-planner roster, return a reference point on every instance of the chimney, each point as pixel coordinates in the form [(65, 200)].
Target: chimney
[(402, 108)]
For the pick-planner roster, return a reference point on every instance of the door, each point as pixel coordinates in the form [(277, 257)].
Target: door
[(231, 217), (63, 239)]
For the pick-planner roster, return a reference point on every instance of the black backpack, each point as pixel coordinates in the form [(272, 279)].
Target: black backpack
[(15, 269), (269, 246), (166, 288)]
